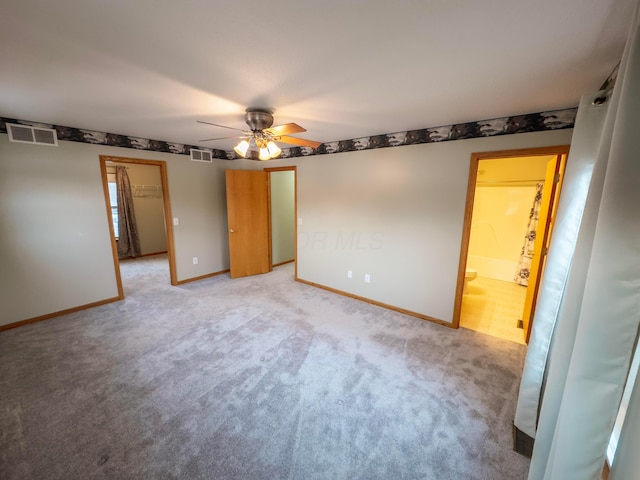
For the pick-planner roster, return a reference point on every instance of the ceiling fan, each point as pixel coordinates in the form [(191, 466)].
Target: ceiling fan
[(263, 136)]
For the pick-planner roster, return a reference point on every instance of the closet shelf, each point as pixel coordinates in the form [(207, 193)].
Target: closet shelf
[(147, 191)]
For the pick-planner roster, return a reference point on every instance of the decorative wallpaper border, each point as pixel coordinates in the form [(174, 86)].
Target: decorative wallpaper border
[(533, 122), (82, 135)]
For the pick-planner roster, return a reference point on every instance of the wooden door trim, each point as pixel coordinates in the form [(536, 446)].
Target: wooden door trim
[(294, 169), (522, 152), (114, 246), (167, 214), (471, 189), (466, 235)]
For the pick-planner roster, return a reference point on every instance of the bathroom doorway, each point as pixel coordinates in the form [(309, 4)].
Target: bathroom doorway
[(504, 246)]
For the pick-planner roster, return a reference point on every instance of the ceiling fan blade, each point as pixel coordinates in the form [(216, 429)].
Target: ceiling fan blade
[(299, 141), (221, 126), (285, 129), (221, 138)]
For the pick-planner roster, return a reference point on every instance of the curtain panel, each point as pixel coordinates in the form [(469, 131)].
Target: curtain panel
[(588, 317), (526, 255), (128, 239), (578, 173)]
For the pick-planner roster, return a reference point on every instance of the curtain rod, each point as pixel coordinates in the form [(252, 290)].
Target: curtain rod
[(607, 86), (611, 79)]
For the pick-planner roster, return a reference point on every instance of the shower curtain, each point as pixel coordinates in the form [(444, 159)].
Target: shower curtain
[(526, 255), (128, 239), (586, 320)]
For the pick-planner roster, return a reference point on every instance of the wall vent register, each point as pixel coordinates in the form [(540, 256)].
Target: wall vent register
[(28, 134), (201, 155)]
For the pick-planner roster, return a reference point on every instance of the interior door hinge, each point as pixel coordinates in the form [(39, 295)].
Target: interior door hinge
[(556, 178)]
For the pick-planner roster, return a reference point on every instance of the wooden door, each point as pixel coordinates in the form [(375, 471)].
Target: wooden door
[(248, 221), (548, 205)]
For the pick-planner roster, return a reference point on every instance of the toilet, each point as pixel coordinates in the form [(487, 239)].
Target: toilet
[(469, 275)]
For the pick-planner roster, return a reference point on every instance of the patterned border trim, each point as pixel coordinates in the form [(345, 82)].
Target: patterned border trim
[(81, 135), (533, 122)]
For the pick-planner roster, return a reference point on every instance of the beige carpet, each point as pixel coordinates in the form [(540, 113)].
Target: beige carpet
[(255, 378)]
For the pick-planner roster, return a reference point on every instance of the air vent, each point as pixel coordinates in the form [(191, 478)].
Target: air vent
[(27, 134), (200, 155)]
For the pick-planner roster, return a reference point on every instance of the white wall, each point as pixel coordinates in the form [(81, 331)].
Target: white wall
[(500, 220), (55, 248), (395, 214), (198, 200), (282, 216)]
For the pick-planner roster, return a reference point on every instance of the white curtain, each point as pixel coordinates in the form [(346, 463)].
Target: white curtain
[(582, 158), (627, 461), (588, 312)]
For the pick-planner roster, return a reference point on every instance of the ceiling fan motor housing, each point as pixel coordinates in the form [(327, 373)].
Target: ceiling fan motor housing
[(258, 118)]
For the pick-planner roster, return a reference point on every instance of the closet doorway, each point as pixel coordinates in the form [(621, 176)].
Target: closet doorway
[(282, 215), (261, 219), (151, 241), (511, 202)]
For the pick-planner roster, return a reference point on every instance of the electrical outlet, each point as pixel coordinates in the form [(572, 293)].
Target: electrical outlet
[(367, 278), (349, 274), (195, 260)]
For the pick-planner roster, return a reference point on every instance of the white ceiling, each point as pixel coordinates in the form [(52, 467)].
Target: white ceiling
[(341, 69)]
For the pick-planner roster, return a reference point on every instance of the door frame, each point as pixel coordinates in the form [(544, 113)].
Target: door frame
[(468, 212), (292, 168), (167, 214)]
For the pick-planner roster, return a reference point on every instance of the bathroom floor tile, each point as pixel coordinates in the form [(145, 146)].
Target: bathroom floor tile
[(493, 307)]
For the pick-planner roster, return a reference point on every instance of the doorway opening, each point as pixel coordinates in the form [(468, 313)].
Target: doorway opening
[(261, 216), (511, 201), (149, 194), (282, 216)]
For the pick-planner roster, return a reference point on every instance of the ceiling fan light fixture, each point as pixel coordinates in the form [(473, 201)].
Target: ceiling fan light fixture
[(264, 153), (242, 148), (274, 150), (262, 136)]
